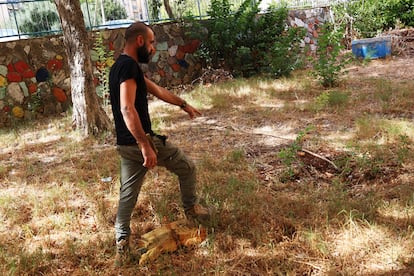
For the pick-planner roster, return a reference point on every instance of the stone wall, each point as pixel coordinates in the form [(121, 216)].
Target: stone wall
[(34, 75), (311, 20)]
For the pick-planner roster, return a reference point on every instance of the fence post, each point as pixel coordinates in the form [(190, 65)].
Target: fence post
[(89, 16), (199, 9), (148, 14), (15, 19)]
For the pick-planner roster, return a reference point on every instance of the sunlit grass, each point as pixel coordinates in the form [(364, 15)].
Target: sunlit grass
[(59, 193)]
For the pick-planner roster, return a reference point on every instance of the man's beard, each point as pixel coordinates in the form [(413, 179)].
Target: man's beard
[(143, 54)]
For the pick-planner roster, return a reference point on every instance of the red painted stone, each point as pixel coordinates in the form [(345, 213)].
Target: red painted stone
[(32, 88), (6, 108), (59, 94), (10, 67), (194, 44), (28, 74), (161, 72), (111, 46), (21, 66), (176, 67), (14, 77), (180, 54), (54, 64)]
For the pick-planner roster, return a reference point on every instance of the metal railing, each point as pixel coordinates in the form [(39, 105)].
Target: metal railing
[(32, 18)]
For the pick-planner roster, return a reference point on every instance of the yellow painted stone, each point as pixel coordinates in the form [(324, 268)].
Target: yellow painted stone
[(3, 81), (18, 112), (110, 62), (59, 57)]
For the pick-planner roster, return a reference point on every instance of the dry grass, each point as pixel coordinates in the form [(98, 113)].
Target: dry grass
[(57, 204)]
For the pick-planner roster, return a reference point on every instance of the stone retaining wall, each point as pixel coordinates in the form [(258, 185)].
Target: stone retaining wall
[(34, 75)]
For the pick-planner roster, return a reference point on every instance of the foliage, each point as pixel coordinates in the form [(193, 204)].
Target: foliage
[(154, 9), (34, 20), (114, 10), (369, 17), (288, 155), (328, 62), (240, 40), (103, 66)]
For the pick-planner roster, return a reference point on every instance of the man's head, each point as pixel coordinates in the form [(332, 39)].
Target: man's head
[(140, 37)]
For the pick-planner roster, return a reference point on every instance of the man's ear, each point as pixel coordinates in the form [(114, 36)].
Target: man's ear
[(140, 40)]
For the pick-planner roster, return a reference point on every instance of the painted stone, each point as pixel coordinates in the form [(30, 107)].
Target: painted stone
[(111, 46), (21, 67), (54, 64), (59, 57), (176, 67), (28, 74), (42, 74), (6, 108), (162, 46), (14, 77), (161, 73), (190, 47), (59, 94), (10, 67), (3, 81), (172, 51), (18, 112), (24, 88), (32, 88), (156, 57), (180, 54), (15, 92), (299, 22), (2, 93), (183, 63), (3, 70), (171, 60)]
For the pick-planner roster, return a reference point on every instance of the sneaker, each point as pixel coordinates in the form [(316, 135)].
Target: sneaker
[(199, 214), (122, 256)]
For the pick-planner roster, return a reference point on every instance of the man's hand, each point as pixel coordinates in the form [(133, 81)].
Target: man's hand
[(192, 112), (150, 157)]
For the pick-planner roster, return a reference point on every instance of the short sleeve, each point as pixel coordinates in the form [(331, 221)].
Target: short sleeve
[(128, 70)]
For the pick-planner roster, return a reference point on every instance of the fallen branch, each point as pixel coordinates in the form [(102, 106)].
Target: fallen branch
[(320, 157)]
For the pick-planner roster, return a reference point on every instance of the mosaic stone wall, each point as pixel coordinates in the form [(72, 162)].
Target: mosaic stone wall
[(34, 75)]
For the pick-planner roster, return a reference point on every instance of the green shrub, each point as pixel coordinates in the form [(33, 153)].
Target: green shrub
[(370, 17), (328, 62), (248, 43)]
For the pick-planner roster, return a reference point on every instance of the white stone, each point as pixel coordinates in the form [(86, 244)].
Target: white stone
[(27, 49), (15, 92), (172, 51), (11, 45), (299, 22)]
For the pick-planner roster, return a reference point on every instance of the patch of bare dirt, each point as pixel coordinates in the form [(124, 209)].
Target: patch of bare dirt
[(393, 68)]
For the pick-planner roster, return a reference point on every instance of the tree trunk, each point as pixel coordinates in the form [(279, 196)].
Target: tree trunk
[(88, 115), (168, 9)]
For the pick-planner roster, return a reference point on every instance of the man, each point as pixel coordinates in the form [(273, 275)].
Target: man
[(140, 149)]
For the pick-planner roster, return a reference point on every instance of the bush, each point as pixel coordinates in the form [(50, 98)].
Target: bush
[(328, 63), (370, 17), (248, 43)]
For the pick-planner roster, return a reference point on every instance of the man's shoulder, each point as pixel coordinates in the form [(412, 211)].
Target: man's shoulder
[(125, 59)]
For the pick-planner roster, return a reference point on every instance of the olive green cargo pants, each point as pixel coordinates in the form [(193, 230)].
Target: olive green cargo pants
[(132, 177)]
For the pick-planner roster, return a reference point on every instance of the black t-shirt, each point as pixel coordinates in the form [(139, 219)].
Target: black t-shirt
[(123, 69)]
